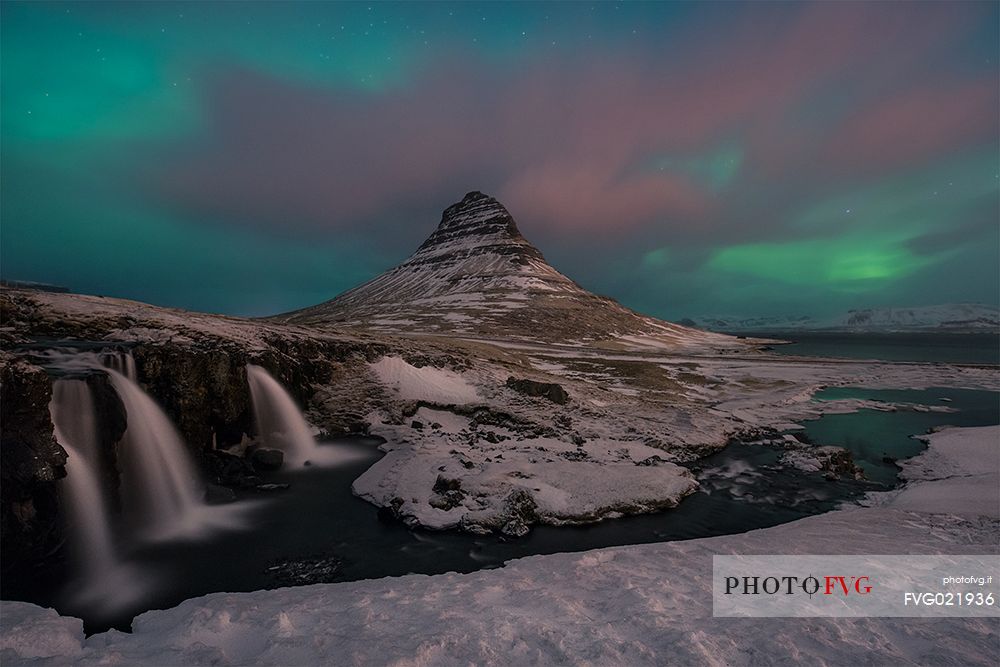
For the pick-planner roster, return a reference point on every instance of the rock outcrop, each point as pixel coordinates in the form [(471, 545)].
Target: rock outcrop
[(550, 390), (30, 462), (192, 365)]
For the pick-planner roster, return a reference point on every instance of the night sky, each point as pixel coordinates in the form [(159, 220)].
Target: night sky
[(252, 158)]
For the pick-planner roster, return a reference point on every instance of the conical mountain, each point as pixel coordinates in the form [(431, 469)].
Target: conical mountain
[(476, 276)]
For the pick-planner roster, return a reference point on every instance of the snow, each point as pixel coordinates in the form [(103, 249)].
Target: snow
[(645, 342), (623, 408), (637, 605), (563, 482), (122, 320), (435, 385), (28, 632), (958, 473)]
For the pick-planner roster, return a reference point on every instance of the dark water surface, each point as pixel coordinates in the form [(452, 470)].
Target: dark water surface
[(742, 488), (872, 435), (975, 348)]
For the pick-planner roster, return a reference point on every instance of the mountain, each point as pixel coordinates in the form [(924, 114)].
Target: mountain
[(945, 318), (477, 276), (948, 317), (746, 324)]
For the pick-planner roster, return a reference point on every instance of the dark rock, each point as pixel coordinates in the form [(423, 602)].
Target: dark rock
[(203, 391), (520, 505), (218, 495), (549, 390), (837, 461), (417, 425), (444, 484), (515, 528), (651, 461), (577, 439), (390, 513), (268, 488), (230, 470), (519, 513), (30, 462), (111, 421), (263, 458), (303, 571), (448, 500), (449, 493)]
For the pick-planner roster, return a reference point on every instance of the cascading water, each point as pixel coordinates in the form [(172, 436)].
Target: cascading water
[(72, 410), (279, 421), (105, 583), (123, 362), (161, 495), (160, 489)]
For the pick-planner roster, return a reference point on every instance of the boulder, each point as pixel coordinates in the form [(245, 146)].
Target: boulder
[(549, 390), (231, 470), (267, 459), (269, 488)]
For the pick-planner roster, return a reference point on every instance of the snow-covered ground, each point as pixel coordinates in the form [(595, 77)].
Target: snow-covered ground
[(635, 406), (958, 474), (490, 478), (638, 605), (427, 383), (473, 453)]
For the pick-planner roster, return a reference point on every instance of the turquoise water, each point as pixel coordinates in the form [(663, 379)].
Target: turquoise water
[(872, 435)]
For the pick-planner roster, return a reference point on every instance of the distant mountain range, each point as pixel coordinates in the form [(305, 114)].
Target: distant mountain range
[(476, 276), (953, 318)]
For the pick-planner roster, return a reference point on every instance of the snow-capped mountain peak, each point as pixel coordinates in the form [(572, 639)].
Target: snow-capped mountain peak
[(952, 317), (477, 276)]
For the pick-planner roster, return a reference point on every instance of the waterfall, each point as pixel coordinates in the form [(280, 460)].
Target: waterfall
[(279, 421), (72, 410), (160, 492), (160, 489), (106, 583), (123, 362)]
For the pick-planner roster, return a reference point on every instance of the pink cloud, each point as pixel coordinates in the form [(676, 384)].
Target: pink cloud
[(916, 124), (587, 196), (564, 140)]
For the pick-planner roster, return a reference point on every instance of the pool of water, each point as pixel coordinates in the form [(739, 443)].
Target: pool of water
[(742, 488), (873, 436), (318, 517)]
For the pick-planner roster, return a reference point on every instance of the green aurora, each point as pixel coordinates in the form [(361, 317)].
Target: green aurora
[(686, 159)]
